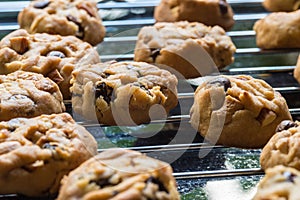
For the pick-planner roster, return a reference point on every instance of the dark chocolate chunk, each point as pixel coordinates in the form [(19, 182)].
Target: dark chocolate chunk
[(222, 81), (223, 5), (56, 54), (104, 182), (285, 125), (80, 32), (41, 4), (104, 91), (157, 182), (289, 176), (154, 53), (49, 146)]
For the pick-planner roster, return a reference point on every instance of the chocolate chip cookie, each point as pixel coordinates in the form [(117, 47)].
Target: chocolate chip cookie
[(278, 30), (79, 18), (120, 174), (281, 5), (209, 12), (297, 70), (53, 56), (283, 147), (279, 183), (36, 153), (123, 93), (28, 94), (238, 111), (185, 47)]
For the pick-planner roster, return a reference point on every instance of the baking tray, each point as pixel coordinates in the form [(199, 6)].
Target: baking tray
[(202, 171)]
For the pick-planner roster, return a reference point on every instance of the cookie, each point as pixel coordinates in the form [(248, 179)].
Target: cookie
[(278, 30), (237, 111), (279, 183), (79, 18), (283, 147), (179, 45), (36, 153), (209, 12), (281, 5), (53, 56), (120, 174), (123, 93), (28, 94), (297, 70)]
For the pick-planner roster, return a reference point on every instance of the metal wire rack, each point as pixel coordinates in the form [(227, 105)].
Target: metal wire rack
[(202, 171)]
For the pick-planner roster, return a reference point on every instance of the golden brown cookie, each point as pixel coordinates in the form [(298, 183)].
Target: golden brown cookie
[(238, 111), (209, 12), (53, 56), (281, 5), (28, 94), (79, 18), (120, 174), (36, 153), (278, 30), (279, 183), (283, 147), (179, 45), (123, 93)]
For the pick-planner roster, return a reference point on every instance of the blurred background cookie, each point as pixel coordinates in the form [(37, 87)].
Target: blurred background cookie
[(120, 174), (189, 48), (238, 111), (27, 94), (281, 5), (278, 30), (79, 18), (36, 153), (209, 12)]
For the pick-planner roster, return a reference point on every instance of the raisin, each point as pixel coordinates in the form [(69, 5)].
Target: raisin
[(221, 81), (56, 54), (223, 7), (41, 4), (104, 91), (285, 125)]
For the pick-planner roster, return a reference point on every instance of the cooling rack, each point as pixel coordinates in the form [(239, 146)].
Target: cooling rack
[(202, 171)]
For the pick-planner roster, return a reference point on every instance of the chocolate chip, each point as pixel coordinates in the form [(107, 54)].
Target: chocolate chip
[(223, 5), (105, 75), (56, 54), (154, 53), (143, 87), (221, 81), (289, 176), (157, 182), (104, 91), (104, 182), (49, 146), (285, 125), (80, 32), (41, 4)]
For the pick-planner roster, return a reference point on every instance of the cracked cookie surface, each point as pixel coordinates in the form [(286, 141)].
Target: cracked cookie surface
[(283, 147), (120, 174), (279, 182), (36, 153), (79, 18), (209, 12), (28, 94), (179, 45), (238, 111), (53, 56), (281, 5), (278, 30), (123, 93)]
